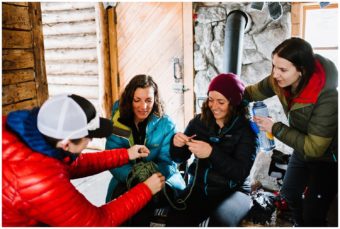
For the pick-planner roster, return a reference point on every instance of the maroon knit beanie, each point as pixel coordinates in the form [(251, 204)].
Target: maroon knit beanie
[(229, 86)]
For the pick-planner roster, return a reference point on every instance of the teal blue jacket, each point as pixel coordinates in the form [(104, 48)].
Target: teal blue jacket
[(159, 132)]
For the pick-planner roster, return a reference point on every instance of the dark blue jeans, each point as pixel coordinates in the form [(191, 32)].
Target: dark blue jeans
[(309, 188)]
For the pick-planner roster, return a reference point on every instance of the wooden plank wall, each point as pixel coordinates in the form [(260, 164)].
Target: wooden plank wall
[(23, 72), (71, 48)]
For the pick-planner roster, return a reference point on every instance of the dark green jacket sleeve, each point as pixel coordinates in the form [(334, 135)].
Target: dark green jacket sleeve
[(321, 128), (259, 91)]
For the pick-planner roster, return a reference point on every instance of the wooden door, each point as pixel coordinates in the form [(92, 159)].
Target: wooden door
[(150, 38)]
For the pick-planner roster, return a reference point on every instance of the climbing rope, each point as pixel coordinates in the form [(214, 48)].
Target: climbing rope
[(140, 172), (182, 201), (143, 170)]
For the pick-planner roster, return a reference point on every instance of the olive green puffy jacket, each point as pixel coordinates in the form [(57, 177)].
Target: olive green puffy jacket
[(312, 126)]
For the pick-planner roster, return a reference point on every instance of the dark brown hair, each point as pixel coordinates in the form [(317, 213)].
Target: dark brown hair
[(300, 53), (125, 102)]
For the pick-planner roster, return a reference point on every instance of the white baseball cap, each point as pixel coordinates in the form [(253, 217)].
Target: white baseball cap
[(71, 117)]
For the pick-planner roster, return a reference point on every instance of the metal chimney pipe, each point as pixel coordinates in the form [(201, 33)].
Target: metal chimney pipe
[(233, 41)]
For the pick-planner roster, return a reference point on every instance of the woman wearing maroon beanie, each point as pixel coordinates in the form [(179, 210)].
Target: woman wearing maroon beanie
[(224, 148)]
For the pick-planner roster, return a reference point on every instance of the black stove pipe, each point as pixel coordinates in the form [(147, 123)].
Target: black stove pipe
[(233, 41)]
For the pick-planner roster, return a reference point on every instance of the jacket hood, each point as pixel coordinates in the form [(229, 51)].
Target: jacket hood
[(311, 91), (24, 124), (330, 71)]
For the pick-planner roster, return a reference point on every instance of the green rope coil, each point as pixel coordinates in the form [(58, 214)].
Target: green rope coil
[(140, 172), (143, 170)]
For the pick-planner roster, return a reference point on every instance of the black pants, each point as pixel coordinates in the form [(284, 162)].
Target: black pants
[(226, 210), (222, 211), (309, 188), (148, 215)]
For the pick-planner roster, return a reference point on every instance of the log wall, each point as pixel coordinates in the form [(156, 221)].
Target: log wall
[(71, 49), (24, 84)]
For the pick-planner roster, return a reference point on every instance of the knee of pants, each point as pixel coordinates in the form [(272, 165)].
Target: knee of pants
[(315, 209), (290, 195), (232, 210)]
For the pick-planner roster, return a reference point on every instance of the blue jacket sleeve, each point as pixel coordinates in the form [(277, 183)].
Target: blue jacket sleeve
[(165, 164)]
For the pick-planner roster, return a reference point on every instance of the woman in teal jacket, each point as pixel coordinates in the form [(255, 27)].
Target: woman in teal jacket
[(138, 118)]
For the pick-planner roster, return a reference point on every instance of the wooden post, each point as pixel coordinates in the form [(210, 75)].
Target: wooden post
[(113, 52), (38, 51), (296, 19), (188, 53), (105, 97)]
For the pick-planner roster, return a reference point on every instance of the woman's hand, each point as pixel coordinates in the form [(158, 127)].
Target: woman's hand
[(181, 139), (201, 149), (155, 183), (265, 123), (138, 151)]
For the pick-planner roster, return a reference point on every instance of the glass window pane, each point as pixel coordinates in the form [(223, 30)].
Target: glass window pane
[(321, 27)]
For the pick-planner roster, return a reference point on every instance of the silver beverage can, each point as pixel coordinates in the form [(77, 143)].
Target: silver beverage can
[(266, 139)]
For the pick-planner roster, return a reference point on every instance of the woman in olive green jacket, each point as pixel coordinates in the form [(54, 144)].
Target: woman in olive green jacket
[(306, 85)]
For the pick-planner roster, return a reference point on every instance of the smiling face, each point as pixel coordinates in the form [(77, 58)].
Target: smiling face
[(285, 73), (142, 103), (218, 105)]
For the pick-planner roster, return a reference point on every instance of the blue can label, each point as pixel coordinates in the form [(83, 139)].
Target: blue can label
[(266, 139)]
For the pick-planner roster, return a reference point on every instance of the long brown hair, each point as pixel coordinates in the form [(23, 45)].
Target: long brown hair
[(125, 102)]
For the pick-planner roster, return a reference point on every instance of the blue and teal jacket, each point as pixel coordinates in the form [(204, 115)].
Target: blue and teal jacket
[(159, 132)]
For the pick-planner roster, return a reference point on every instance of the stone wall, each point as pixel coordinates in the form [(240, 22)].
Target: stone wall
[(262, 35)]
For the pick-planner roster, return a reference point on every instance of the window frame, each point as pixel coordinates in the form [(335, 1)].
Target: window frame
[(315, 6)]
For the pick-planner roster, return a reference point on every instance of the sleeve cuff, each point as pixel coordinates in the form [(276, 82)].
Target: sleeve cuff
[(277, 129)]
